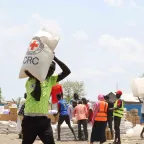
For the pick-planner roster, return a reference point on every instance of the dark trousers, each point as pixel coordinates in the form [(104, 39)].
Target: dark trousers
[(117, 121), (37, 126), (110, 120), (84, 123), (65, 118)]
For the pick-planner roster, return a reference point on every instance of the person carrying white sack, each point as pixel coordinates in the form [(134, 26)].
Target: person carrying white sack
[(39, 65), (35, 121)]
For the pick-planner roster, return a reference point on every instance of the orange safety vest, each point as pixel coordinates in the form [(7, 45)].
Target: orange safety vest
[(102, 113)]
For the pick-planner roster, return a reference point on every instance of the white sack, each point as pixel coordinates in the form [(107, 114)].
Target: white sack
[(128, 125), (4, 127), (135, 132), (137, 86), (52, 112), (4, 123), (129, 133), (48, 37), (18, 128), (39, 54)]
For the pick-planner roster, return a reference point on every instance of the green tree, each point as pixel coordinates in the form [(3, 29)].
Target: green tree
[(71, 87)]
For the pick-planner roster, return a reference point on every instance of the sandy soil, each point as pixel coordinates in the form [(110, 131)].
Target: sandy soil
[(13, 139)]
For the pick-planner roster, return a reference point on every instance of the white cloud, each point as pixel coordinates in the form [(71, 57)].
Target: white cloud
[(85, 73), (121, 3), (35, 21), (126, 47), (14, 30), (116, 70), (49, 23), (133, 3), (23, 34), (92, 72), (115, 3), (131, 23), (80, 35)]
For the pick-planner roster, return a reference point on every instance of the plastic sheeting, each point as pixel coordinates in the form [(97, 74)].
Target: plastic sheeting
[(134, 132)]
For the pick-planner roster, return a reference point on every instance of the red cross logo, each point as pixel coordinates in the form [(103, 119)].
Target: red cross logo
[(34, 45)]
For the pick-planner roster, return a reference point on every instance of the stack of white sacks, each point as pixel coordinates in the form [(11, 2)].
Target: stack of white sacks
[(7, 127), (133, 131), (128, 125), (12, 127), (66, 133), (122, 126), (127, 129)]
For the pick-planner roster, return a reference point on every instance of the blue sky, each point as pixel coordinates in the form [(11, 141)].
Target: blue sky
[(101, 41)]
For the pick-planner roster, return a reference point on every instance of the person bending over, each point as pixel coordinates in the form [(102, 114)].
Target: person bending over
[(63, 115)]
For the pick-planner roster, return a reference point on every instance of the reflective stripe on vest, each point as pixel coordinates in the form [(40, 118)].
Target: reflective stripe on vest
[(102, 113), (120, 111)]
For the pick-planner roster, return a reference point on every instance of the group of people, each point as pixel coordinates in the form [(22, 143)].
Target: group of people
[(104, 113), (78, 108), (36, 123)]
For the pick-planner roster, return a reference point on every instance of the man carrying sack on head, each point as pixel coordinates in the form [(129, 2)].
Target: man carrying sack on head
[(35, 121), (118, 112), (39, 64)]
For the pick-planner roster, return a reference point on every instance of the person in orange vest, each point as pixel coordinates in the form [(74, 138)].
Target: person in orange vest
[(99, 121)]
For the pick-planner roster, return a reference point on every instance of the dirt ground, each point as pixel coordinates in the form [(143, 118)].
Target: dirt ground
[(13, 139)]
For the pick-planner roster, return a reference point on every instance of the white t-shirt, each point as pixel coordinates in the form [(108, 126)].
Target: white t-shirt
[(142, 107), (70, 111), (90, 105)]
